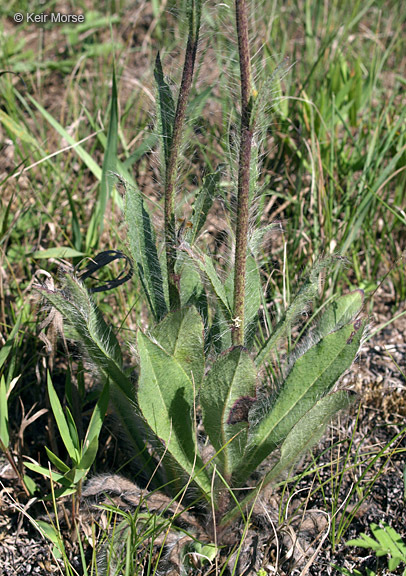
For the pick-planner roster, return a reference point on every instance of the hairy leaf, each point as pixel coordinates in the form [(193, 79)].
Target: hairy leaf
[(205, 264), (166, 393), (306, 294), (202, 205), (141, 237), (312, 376), (181, 335), (166, 109), (302, 437), (340, 312), (226, 395), (86, 325)]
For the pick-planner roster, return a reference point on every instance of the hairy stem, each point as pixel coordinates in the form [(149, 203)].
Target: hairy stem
[(194, 9), (243, 173)]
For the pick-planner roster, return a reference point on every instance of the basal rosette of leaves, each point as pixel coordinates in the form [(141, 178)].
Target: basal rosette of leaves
[(179, 383)]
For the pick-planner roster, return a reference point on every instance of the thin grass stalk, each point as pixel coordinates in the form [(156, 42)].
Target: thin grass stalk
[(243, 172), (171, 167)]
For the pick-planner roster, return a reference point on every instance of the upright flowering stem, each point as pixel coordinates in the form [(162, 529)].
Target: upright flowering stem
[(194, 13), (243, 172)]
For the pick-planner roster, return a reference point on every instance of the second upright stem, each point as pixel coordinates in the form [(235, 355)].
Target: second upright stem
[(243, 173)]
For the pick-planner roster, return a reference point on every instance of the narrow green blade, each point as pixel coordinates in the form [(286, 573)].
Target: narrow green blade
[(96, 223)]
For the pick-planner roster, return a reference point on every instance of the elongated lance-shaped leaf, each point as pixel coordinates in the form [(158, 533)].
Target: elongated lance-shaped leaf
[(165, 112), (218, 336), (4, 434), (91, 442), (96, 223), (311, 377), (56, 461), (85, 324), (8, 346), (166, 396), (342, 311), (302, 437), (309, 430), (180, 334), (192, 292), (65, 430), (202, 204), (256, 239), (306, 294), (205, 264), (226, 396), (141, 237)]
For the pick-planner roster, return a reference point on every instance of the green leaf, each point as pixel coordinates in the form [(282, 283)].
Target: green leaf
[(166, 396), (218, 336), (57, 462), (225, 397), (202, 204), (6, 349), (75, 474), (56, 477), (192, 292), (180, 334), (146, 146), (51, 533), (73, 430), (205, 264), (96, 421), (57, 252), (96, 223), (302, 437), (340, 312), (166, 109), (89, 456), (306, 294), (81, 152), (388, 543), (30, 484), (144, 252), (256, 239), (4, 434), (91, 443), (313, 374), (86, 324), (61, 420), (309, 430)]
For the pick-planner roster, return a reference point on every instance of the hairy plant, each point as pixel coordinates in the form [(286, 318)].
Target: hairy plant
[(189, 367)]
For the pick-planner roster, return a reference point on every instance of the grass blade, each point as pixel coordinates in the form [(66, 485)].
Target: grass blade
[(96, 223)]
